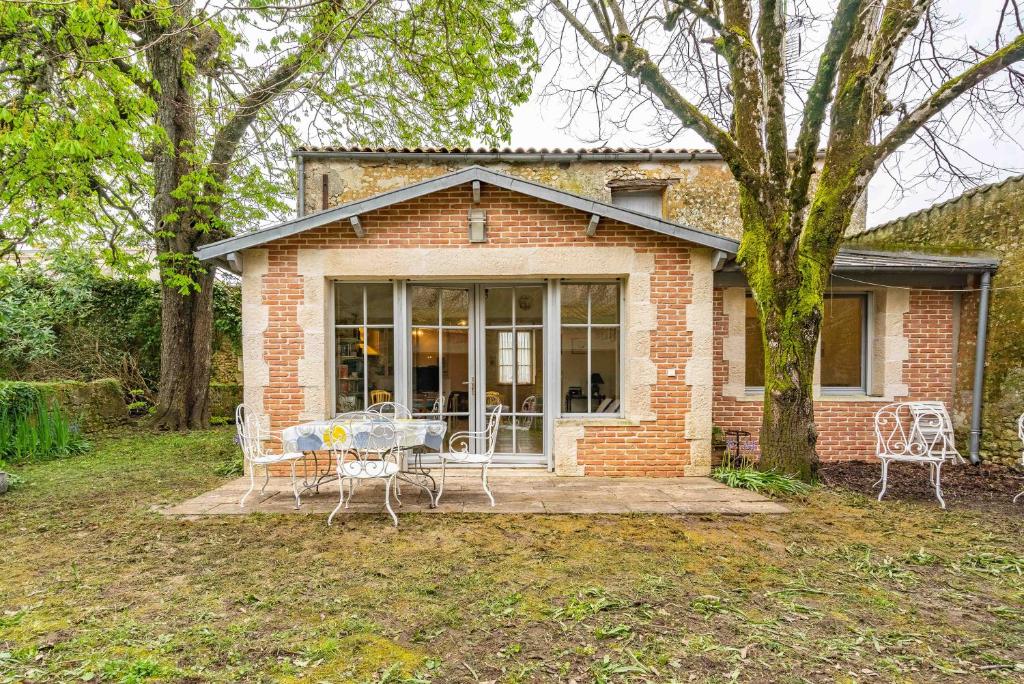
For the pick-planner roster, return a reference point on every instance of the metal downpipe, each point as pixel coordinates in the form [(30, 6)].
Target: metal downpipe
[(979, 367)]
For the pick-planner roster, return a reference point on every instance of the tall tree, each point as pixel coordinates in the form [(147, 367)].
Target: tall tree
[(738, 74), (173, 120)]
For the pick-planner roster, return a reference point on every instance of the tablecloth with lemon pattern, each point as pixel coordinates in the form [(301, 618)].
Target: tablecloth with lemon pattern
[(412, 433)]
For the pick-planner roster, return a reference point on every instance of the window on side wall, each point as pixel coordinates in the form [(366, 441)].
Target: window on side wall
[(364, 345), (844, 344), (591, 330)]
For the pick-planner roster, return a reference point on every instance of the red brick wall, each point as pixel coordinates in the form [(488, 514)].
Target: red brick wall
[(845, 428), (439, 220)]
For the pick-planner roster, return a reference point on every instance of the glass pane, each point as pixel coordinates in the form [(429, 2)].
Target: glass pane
[(842, 338), (529, 434), (574, 303), (348, 369), (424, 305), (501, 368), (574, 370), (505, 442), (348, 304), (498, 305), (425, 369), (529, 305), (380, 363), (455, 369), (604, 370), (604, 303), (380, 306), (755, 347), (528, 422), (455, 307)]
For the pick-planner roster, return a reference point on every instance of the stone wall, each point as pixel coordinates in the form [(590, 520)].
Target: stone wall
[(698, 193), (90, 405), (991, 219)]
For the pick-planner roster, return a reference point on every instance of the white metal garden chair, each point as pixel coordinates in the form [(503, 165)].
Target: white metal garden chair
[(1020, 434), (365, 448), (391, 409), (440, 404), (915, 432), (254, 452), (462, 450)]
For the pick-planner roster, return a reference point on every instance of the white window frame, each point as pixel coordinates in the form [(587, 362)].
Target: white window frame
[(865, 345), (867, 333), (365, 328), (590, 326)]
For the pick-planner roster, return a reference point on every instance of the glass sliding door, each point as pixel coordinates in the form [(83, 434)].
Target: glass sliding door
[(512, 361), (441, 348), (364, 358)]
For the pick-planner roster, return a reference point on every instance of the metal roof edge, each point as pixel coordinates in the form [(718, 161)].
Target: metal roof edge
[(459, 177)]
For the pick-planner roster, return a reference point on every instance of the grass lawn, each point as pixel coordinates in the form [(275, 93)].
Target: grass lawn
[(94, 586)]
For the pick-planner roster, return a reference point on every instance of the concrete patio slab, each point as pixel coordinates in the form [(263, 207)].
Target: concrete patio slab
[(514, 492)]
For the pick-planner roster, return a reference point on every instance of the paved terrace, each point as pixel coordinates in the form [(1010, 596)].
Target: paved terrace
[(514, 491)]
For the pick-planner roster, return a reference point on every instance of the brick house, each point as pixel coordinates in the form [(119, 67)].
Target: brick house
[(594, 294)]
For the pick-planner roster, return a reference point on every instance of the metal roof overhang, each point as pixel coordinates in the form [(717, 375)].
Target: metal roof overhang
[(871, 267), (343, 212)]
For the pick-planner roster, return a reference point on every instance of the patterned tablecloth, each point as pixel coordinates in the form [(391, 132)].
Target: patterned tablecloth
[(412, 432)]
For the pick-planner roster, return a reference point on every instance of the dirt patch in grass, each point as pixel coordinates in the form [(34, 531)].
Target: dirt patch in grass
[(94, 586), (988, 487)]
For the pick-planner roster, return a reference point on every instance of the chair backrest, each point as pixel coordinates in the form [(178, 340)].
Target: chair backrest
[(440, 404), (379, 396), (491, 432), (530, 404), (914, 430), (390, 409), (250, 439), (365, 439)]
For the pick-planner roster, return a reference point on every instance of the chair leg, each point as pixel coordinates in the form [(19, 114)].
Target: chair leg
[(885, 478), (1018, 496), (341, 500), (483, 479), (295, 487), (937, 468), (387, 499), (252, 484), (437, 497), (266, 478)]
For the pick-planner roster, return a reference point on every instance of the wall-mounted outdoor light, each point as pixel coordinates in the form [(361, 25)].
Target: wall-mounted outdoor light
[(477, 225)]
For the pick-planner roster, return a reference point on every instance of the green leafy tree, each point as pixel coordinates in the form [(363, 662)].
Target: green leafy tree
[(169, 123), (805, 101)]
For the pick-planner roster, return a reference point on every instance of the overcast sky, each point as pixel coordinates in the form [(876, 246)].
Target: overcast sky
[(540, 123)]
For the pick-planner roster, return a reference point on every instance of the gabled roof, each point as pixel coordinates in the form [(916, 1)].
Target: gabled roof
[(220, 249), (518, 154)]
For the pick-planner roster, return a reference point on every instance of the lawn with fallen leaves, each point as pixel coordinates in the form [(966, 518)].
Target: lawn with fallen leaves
[(96, 586)]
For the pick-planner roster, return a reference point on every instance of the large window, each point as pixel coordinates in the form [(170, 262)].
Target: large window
[(364, 356), (591, 330), (844, 344)]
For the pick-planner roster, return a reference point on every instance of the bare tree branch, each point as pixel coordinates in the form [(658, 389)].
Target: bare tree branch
[(1011, 53)]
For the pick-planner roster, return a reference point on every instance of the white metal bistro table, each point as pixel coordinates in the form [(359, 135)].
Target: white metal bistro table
[(414, 434)]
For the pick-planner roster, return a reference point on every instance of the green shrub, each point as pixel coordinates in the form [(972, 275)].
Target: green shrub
[(32, 426), (761, 481)]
